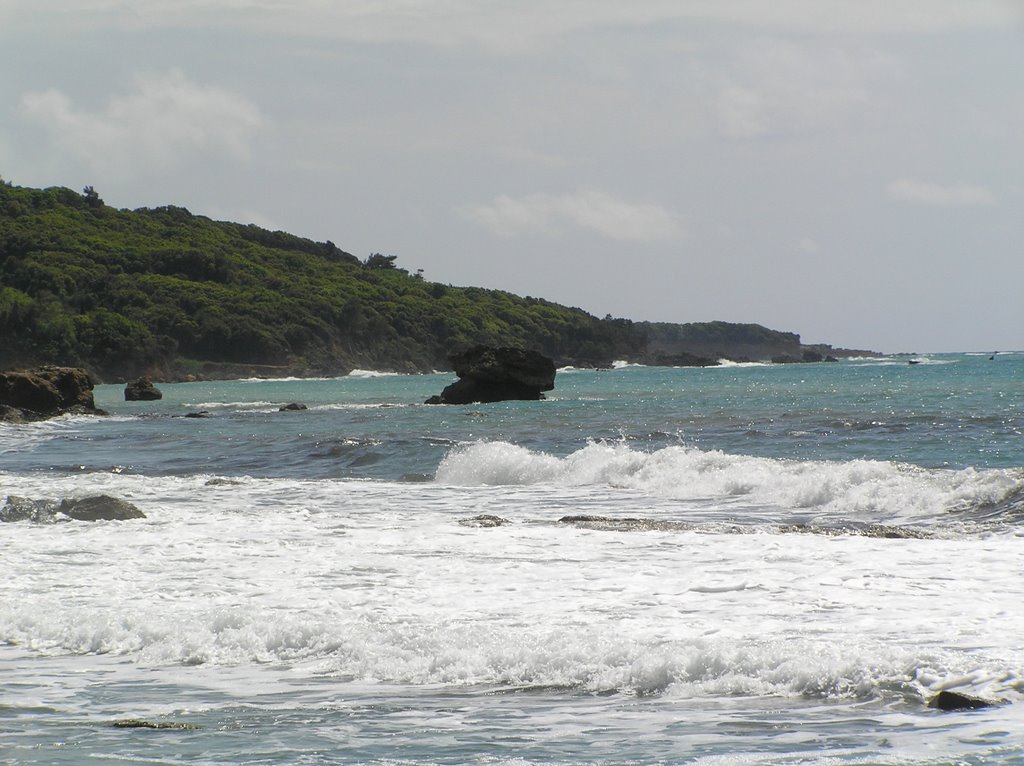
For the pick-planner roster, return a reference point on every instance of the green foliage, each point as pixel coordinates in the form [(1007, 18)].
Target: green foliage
[(164, 291), (130, 291)]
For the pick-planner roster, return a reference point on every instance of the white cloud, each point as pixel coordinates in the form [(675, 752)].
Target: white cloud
[(808, 246), (166, 119), (587, 209), (938, 195), (777, 87)]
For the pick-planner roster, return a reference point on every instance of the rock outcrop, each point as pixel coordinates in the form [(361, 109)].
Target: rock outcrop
[(489, 374), (142, 390), (92, 508), (947, 700), (28, 395)]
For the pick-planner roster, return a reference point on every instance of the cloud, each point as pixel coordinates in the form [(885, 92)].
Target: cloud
[(937, 195), (587, 209), (163, 121), (777, 88), (510, 24)]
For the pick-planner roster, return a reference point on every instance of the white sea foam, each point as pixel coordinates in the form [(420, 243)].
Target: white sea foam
[(359, 580), (726, 363), (373, 374)]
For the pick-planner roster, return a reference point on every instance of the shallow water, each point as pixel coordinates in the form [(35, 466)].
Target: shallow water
[(782, 564)]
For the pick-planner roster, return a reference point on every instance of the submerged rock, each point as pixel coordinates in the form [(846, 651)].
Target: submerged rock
[(613, 524), (100, 508), (28, 395), (484, 520), (489, 374), (293, 407), (142, 390), (138, 723)]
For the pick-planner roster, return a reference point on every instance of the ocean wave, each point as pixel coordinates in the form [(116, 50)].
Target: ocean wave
[(865, 489), (518, 656)]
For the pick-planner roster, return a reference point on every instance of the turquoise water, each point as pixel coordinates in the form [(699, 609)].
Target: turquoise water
[(782, 564)]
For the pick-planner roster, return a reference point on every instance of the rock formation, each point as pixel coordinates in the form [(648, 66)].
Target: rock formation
[(91, 508), (489, 374), (142, 390), (947, 700), (28, 395)]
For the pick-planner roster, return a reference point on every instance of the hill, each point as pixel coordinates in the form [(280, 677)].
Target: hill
[(167, 293)]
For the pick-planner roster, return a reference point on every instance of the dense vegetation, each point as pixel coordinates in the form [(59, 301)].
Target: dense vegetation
[(166, 292)]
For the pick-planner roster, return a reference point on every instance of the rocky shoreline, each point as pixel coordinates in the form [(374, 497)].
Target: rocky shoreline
[(30, 395)]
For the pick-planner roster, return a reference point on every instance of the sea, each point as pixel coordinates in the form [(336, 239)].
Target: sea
[(735, 565)]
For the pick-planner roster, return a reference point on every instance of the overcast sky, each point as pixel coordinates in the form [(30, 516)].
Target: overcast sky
[(849, 170)]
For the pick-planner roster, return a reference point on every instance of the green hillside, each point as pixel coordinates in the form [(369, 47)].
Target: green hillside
[(168, 293)]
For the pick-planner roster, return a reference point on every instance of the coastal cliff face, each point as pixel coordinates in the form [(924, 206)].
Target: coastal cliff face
[(170, 295)]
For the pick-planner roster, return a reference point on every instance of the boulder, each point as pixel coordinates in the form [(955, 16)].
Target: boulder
[(27, 395), (26, 509), (100, 508), (490, 374), (293, 407), (142, 390)]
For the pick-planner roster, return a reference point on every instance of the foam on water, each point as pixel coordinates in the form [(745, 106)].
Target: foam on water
[(317, 576), (865, 489)]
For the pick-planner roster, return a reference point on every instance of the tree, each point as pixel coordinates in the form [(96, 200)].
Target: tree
[(379, 261), (92, 197)]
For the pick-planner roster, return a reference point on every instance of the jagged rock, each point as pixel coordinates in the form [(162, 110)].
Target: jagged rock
[(142, 390), (26, 509), (947, 700), (27, 395), (293, 407), (100, 508), (489, 374), (812, 356), (200, 414)]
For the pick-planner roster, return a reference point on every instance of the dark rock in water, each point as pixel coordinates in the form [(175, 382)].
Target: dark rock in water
[(200, 414), (100, 508), (484, 520), (947, 700), (142, 390), (293, 407), (26, 509), (785, 359), (138, 723), (811, 356), (831, 358), (27, 395), (13, 415), (682, 359), (489, 374)]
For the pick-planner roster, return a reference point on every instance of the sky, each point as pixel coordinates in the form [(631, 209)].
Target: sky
[(850, 170)]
